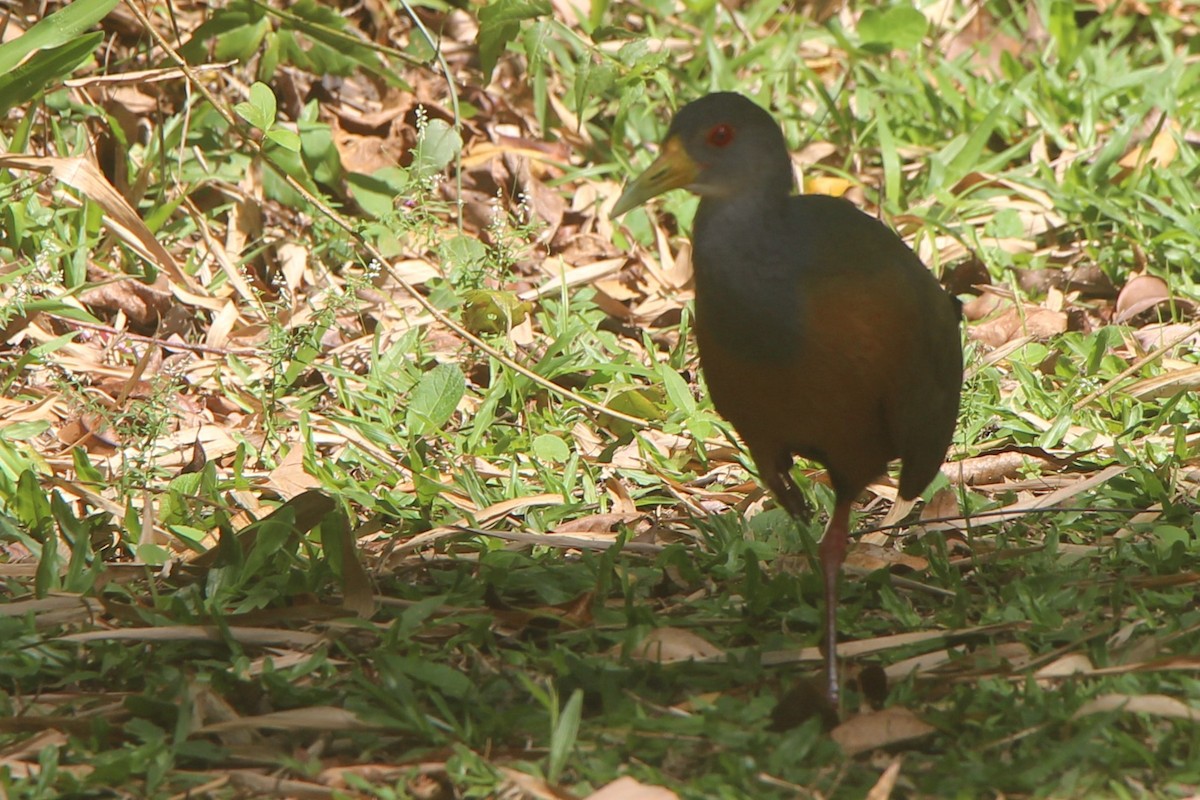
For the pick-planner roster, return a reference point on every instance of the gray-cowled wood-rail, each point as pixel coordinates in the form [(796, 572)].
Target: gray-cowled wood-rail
[(821, 334)]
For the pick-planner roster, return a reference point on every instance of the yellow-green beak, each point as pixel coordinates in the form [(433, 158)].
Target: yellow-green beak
[(673, 169)]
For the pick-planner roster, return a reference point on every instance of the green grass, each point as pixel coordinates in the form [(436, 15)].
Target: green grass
[(423, 542)]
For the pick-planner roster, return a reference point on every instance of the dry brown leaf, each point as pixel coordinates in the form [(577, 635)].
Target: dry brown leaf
[(671, 645), (223, 321), (885, 728), (289, 479), (1140, 293), (601, 524), (577, 542), (534, 197), (629, 457), (980, 307), (627, 788), (336, 776), (1040, 323), (871, 557), (478, 151), (896, 514), (926, 662), (531, 787), (623, 501), (997, 467), (319, 718), (358, 590), (1070, 664), (1152, 337), (1002, 657), (16, 751), (272, 785), (259, 637), (978, 37), (292, 259), (562, 275), (1161, 152), (55, 610), (1172, 664), (367, 153), (143, 304), (1156, 705), (882, 789), (944, 502)]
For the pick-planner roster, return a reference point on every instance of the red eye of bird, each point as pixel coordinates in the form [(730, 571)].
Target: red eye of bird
[(720, 135)]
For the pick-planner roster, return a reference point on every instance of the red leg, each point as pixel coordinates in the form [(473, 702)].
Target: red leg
[(833, 552)]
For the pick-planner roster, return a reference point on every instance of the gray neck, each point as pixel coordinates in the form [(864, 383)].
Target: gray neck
[(746, 289)]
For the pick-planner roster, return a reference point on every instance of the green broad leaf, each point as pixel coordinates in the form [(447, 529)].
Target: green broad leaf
[(900, 27), (319, 152), (592, 80), (23, 431), (444, 678), (678, 391), (320, 16), (22, 84), (434, 399), (189, 533), (85, 470), (289, 162), (889, 153), (323, 59), (700, 426), (76, 534), (237, 17), (1006, 224), (46, 577), (415, 615), (54, 31), (249, 113), (314, 41), (1063, 28), (564, 736), (464, 252), (260, 109), (974, 145), (438, 146), (493, 311), (242, 42), (274, 535), (1167, 536), (264, 99), (548, 447), (377, 193), (153, 554), (499, 24), (597, 9), (644, 402), (289, 140)]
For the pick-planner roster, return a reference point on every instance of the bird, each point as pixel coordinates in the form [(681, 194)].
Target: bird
[(821, 334)]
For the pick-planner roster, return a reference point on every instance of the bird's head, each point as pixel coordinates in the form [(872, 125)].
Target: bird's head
[(720, 146)]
